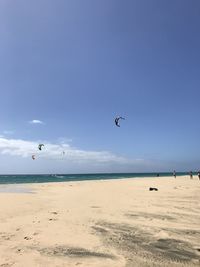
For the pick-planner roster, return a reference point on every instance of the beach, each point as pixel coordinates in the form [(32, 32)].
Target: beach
[(117, 223)]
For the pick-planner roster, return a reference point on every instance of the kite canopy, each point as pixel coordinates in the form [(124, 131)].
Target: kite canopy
[(117, 121), (40, 146)]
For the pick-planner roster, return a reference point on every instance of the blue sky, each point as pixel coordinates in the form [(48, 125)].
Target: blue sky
[(75, 65)]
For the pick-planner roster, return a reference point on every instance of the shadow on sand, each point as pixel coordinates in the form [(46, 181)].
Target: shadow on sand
[(134, 242)]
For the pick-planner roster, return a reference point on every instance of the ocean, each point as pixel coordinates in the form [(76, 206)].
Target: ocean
[(46, 178)]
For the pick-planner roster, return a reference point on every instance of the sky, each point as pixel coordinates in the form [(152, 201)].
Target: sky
[(68, 68)]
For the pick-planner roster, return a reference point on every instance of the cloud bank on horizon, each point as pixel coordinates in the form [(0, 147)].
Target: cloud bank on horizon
[(16, 157), (25, 148)]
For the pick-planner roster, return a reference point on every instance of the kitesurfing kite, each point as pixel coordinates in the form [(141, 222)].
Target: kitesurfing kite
[(40, 146), (117, 121), (33, 157)]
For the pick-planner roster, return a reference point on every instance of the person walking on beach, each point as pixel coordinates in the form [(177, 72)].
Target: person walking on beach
[(198, 174), (174, 174), (191, 175)]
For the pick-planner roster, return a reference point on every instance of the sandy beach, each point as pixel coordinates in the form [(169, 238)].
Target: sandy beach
[(102, 223)]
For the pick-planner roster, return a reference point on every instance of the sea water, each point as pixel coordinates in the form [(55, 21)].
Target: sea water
[(45, 178)]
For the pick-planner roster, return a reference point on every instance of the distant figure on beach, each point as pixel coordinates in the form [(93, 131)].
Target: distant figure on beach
[(198, 174), (174, 174), (158, 174), (191, 175)]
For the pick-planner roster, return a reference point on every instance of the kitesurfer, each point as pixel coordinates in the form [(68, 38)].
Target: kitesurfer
[(117, 121), (40, 146)]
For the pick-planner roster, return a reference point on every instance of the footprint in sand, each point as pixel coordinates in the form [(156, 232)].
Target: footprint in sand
[(36, 233), (54, 212), (36, 221), (27, 238), (6, 236), (7, 264), (52, 219)]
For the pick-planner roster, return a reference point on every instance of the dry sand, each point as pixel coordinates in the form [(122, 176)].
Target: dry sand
[(102, 223)]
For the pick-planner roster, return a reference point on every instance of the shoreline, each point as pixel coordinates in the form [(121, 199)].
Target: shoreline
[(59, 180)]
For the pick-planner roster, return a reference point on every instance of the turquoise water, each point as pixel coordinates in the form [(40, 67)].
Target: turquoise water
[(20, 179)]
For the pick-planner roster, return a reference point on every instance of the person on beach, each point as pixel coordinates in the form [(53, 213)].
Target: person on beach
[(198, 174), (174, 174), (191, 175)]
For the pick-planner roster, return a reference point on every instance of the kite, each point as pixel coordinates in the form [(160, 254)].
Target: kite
[(40, 146), (33, 157), (117, 121)]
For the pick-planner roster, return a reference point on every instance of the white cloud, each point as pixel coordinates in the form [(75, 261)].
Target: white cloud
[(36, 122), (24, 148), (51, 158)]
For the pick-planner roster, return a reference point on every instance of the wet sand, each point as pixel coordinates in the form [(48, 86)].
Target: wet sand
[(102, 223)]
